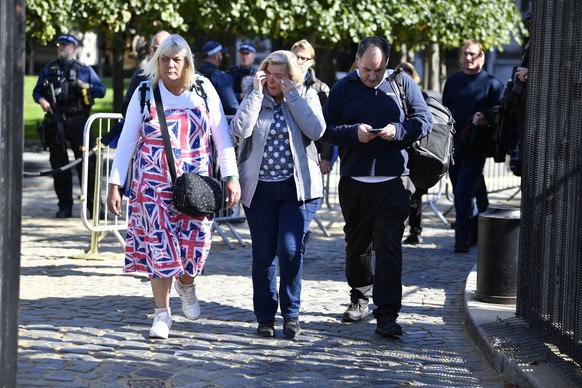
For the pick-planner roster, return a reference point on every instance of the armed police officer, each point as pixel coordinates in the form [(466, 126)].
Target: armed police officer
[(65, 90)]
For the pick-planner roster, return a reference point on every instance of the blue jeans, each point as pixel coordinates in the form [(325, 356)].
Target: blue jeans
[(468, 182), (278, 223)]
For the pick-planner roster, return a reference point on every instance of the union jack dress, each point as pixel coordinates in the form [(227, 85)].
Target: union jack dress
[(161, 241)]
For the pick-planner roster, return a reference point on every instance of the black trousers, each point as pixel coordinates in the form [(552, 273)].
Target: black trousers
[(415, 214), (375, 214), (63, 182)]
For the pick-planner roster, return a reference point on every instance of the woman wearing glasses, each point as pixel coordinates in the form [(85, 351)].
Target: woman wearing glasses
[(305, 54), (281, 184)]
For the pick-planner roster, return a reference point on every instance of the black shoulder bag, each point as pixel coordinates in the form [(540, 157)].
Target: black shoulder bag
[(193, 194)]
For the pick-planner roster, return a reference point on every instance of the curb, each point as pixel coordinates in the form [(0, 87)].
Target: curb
[(539, 373)]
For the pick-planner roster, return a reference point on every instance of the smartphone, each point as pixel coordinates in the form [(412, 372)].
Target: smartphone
[(375, 130)]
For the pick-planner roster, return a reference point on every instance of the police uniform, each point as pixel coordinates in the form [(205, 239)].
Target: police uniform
[(70, 104), (238, 72)]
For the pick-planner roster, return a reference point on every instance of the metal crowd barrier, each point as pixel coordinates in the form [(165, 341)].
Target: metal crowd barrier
[(99, 228), (498, 178), (100, 124)]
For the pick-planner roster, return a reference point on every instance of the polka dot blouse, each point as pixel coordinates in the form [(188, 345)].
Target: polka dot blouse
[(277, 164)]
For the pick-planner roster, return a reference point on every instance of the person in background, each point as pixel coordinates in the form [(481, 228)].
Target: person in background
[(65, 90), (305, 54), (246, 67), (138, 77), (162, 242), (470, 95), (415, 215), (223, 82), (278, 123), (365, 119), (517, 103)]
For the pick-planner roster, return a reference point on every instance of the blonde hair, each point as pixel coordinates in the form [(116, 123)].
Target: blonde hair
[(470, 42), (286, 58), (409, 69), (304, 45), (168, 45)]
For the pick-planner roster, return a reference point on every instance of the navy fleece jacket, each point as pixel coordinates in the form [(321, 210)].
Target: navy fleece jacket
[(351, 103)]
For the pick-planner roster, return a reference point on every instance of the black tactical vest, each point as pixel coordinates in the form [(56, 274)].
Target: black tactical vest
[(70, 98)]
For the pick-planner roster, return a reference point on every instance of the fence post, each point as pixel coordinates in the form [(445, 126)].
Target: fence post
[(11, 127)]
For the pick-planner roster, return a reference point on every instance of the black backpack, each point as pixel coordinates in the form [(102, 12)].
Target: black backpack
[(431, 156)]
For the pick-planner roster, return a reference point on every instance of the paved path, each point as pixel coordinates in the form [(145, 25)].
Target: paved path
[(84, 323)]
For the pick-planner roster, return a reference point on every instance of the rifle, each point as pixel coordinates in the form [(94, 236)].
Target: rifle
[(61, 140)]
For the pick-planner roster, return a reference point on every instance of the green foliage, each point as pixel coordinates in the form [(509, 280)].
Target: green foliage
[(331, 21), (415, 23), (45, 19)]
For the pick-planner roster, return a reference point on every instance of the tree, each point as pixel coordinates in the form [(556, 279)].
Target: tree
[(327, 24), (429, 26), (111, 18)]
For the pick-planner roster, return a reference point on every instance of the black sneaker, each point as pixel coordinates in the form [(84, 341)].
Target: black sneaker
[(462, 246), (266, 329), (64, 213), (291, 328), (387, 326), (413, 239), (355, 312)]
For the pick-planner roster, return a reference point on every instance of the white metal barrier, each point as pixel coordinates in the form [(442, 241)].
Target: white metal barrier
[(100, 124), (498, 177)]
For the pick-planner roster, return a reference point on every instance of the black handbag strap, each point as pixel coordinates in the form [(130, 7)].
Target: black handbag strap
[(165, 133)]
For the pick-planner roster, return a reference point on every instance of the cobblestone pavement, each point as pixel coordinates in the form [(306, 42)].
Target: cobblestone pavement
[(85, 324)]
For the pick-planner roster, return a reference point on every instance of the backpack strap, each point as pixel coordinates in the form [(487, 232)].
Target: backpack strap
[(199, 89), (396, 78), (144, 98)]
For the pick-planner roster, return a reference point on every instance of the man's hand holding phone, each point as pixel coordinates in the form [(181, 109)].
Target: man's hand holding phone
[(387, 133)]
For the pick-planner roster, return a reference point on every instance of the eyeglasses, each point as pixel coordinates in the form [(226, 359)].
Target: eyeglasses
[(277, 77), (154, 48), (303, 59)]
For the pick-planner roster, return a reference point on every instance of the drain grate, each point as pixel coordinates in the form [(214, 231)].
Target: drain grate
[(514, 338)]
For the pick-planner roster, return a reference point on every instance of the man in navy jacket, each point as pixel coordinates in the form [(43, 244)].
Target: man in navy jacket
[(365, 119), (470, 95)]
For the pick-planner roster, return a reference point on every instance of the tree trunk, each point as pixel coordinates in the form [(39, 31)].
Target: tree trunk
[(117, 70), (326, 64), (432, 68)]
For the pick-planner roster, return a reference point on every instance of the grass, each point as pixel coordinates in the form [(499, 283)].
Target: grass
[(33, 112)]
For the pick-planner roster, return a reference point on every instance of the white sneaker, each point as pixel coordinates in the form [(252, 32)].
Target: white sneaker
[(190, 305), (161, 326)]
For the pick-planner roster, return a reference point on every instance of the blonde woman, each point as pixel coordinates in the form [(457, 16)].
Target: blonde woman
[(162, 242), (281, 184)]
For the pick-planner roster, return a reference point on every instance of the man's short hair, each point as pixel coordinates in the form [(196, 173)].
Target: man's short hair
[(374, 41), (470, 42)]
